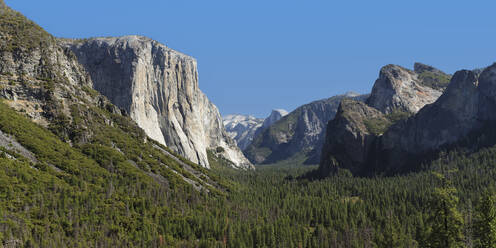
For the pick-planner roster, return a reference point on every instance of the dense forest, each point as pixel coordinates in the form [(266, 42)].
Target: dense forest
[(105, 202)]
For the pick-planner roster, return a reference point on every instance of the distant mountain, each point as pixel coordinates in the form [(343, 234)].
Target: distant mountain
[(274, 116), (242, 128), (298, 134)]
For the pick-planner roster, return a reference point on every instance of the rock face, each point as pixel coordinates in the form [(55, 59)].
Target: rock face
[(466, 107), (242, 128), (300, 134), (356, 139), (348, 134), (158, 87), (462, 117), (446, 121), (398, 88)]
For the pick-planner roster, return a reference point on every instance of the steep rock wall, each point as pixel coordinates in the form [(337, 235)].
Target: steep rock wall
[(158, 87)]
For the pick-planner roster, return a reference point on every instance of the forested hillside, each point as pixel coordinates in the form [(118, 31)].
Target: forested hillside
[(90, 196)]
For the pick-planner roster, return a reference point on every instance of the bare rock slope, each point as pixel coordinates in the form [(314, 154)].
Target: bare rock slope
[(398, 88)]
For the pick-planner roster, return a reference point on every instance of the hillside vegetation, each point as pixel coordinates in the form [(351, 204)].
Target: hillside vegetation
[(92, 196)]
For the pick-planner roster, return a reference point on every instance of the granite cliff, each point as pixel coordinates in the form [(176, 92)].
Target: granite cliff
[(463, 117), (76, 130), (348, 134), (69, 155), (158, 88), (398, 88), (460, 118)]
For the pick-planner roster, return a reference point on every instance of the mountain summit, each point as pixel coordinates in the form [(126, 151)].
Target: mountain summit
[(274, 116)]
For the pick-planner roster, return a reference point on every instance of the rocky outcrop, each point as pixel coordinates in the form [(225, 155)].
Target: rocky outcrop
[(463, 117), (397, 94), (158, 87), (446, 121), (459, 115), (8, 143), (242, 128), (348, 139), (401, 89), (298, 135), (420, 68)]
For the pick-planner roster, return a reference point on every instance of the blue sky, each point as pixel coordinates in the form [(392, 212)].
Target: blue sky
[(256, 55)]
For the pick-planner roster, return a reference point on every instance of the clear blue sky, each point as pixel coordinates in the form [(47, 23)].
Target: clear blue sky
[(257, 55)]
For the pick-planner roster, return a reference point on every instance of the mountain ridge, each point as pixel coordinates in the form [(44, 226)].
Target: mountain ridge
[(298, 134), (460, 119), (242, 128)]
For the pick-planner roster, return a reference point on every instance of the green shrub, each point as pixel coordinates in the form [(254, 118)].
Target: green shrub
[(377, 126), (435, 80), (398, 115)]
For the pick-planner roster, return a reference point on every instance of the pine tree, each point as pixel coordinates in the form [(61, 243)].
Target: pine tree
[(485, 222), (390, 236), (446, 221)]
